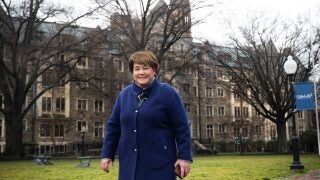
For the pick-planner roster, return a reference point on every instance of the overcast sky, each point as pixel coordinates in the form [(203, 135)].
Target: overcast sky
[(237, 12), (234, 13)]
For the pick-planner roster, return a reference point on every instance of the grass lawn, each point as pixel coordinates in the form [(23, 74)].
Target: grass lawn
[(233, 167)]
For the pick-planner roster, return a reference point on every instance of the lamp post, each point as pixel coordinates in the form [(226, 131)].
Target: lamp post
[(83, 130), (290, 67)]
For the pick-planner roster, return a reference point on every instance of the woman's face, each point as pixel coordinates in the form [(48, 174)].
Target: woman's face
[(143, 75)]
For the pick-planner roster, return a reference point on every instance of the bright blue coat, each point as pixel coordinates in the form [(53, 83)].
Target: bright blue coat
[(150, 137)]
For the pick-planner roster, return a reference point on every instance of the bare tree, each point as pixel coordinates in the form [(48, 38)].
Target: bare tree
[(155, 26), (30, 50), (255, 67)]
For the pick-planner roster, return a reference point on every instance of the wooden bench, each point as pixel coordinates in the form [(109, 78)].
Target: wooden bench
[(42, 159), (85, 161)]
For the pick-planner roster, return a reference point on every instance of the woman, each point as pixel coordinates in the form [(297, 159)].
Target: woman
[(149, 123)]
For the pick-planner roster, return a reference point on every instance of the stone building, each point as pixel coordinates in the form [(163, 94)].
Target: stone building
[(72, 117)]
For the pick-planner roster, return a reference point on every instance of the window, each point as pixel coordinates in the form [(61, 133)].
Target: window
[(81, 125), (300, 129), (209, 130), (46, 104), (97, 84), (59, 130), (196, 110), (195, 91), (220, 92), (257, 113), (186, 87), (186, 70), (237, 112), (207, 72), (44, 149), (98, 106), (115, 49), (221, 111), (209, 92), (82, 62), (119, 65), (60, 105), (195, 74), (99, 63), (120, 86), (209, 111), (236, 95), (1, 101), (24, 125), (219, 74), (258, 130), (243, 132), (60, 148), (98, 129), (1, 128), (300, 114), (45, 130), (245, 112), (181, 48), (236, 132), (222, 128), (62, 57), (46, 79), (186, 19), (164, 65), (187, 107), (82, 104)]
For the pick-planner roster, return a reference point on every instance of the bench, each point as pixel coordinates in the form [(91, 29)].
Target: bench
[(85, 161), (42, 159)]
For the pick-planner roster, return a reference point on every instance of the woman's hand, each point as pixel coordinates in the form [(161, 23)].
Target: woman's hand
[(183, 166), (106, 164)]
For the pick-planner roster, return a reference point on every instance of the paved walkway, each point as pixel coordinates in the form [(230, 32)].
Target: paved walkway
[(312, 175)]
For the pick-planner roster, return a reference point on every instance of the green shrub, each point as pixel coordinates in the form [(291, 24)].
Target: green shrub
[(308, 141)]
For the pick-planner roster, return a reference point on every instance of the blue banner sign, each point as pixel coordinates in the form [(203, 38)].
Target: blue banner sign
[(304, 94)]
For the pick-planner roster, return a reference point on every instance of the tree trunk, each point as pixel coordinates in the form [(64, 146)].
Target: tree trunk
[(281, 137), (14, 142)]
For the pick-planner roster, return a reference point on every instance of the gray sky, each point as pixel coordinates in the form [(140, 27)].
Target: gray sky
[(231, 13), (237, 12)]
